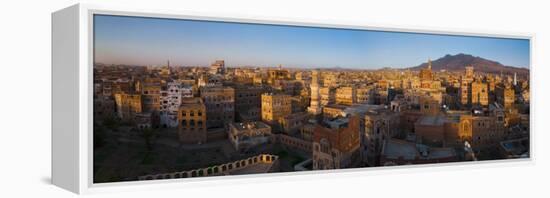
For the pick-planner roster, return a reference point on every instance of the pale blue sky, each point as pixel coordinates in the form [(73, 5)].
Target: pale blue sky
[(152, 41)]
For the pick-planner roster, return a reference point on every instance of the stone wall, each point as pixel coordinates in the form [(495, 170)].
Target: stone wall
[(222, 169)]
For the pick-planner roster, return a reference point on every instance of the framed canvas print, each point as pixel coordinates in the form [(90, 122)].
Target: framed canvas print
[(163, 98)]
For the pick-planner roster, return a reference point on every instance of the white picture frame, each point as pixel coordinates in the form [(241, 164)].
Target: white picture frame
[(72, 87)]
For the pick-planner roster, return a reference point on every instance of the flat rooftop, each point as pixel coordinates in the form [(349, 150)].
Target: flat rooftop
[(398, 148), (395, 148), (516, 146), (431, 120), (336, 123), (336, 106), (250, 125), (296, 115), (362, 108)]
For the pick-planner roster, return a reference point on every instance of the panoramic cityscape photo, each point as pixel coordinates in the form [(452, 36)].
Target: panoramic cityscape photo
[(178, 98)]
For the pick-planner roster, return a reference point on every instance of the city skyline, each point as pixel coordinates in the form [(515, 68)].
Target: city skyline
[(153, 41), (209, 120)]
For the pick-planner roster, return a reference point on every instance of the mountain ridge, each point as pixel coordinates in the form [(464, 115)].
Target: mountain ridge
[(459, 61)]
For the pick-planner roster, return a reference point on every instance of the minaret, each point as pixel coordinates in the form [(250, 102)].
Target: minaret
[(168, 66), (426, 73), (314, 107)]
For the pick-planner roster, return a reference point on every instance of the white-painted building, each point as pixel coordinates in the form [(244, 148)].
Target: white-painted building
[(170, 101)]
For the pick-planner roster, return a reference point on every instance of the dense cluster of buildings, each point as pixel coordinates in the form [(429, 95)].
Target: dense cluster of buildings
[(339, 118)]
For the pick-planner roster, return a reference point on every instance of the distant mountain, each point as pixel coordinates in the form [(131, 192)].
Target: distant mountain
[(460, 61)]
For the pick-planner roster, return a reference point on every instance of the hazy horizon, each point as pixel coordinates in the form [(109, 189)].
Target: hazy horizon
[(143, 41)]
